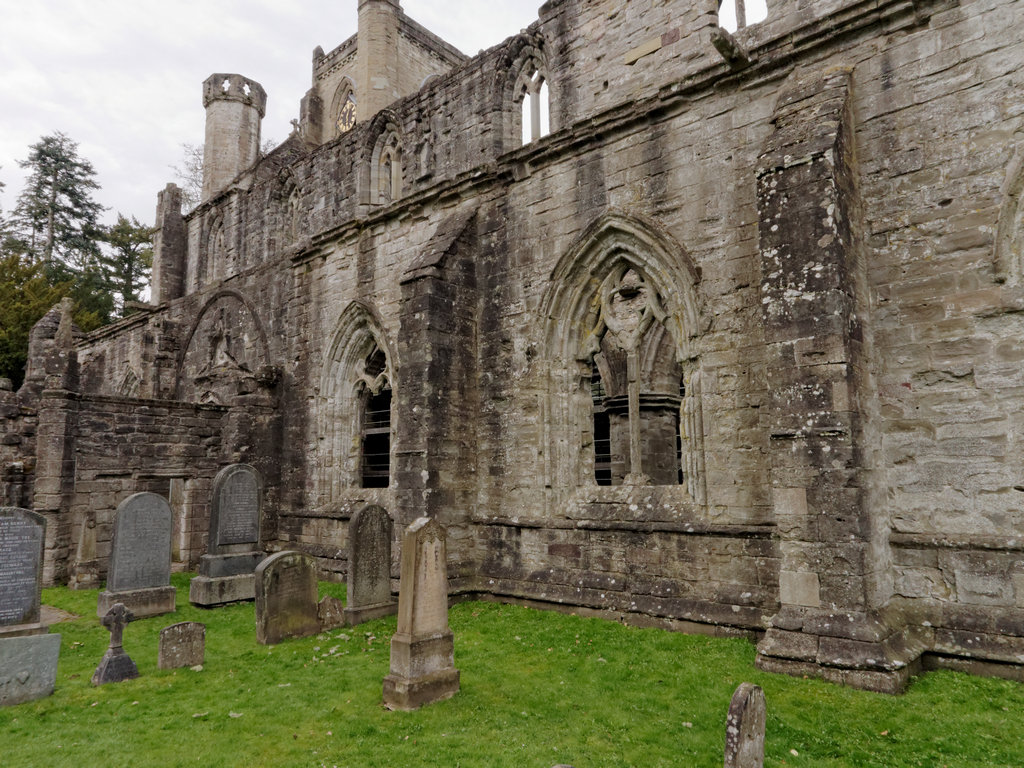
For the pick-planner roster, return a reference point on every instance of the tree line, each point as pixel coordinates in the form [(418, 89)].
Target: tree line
[(53, 245)]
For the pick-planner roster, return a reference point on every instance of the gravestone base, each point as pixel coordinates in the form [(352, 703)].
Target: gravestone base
[(28, 668), (152, 601), (358, 615), (219, 566), (85, 575), (115, 667), (209, 592), (422, 671), (23, 630)]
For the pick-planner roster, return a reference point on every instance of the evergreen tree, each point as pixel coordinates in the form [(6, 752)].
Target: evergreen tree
[(127, 259), (25, 296), (56, 220)]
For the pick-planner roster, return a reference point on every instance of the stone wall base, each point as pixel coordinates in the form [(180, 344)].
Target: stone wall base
[(153, 601), (354, 616), (209, 592)]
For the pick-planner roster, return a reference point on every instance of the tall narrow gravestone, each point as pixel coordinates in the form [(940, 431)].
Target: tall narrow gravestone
[(286, 598), (369, 566), (422, 650), (744, 730), (140, 558), (21, 568), (226, 572), (28, 657)]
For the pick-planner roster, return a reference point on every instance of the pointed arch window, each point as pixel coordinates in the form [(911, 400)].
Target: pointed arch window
[(375, 423), (635, 386), (533, 99), (386, 169)]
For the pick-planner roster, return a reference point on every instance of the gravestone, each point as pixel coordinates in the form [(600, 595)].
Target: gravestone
[(369, 566), (182, 645), (28, 668), (744, 729), (139, 576), (422, 650), (286, 598), (116, 665), (226, 571), (22, 534)]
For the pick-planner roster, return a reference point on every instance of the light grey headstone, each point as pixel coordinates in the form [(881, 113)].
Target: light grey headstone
[(182, 645), (28, 668), (140, 555), (422, 650), (286, 592), (236, 508), (744, 730), (21, 562)]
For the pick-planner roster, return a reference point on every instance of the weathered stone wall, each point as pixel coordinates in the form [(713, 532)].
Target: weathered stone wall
[(813, 209)]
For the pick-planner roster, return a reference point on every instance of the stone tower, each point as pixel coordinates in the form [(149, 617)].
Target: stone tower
[(377, 75), (235, 105)]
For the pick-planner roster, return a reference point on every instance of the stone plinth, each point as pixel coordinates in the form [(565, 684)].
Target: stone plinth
[(153, 601), (422, 652)]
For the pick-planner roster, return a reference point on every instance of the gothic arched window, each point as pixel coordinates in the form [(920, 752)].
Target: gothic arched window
[(533, 99)]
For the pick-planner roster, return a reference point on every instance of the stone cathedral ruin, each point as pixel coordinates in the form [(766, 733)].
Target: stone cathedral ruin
[(717, 331)]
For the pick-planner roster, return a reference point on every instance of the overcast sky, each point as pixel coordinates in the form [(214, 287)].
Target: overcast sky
[(124, 78)]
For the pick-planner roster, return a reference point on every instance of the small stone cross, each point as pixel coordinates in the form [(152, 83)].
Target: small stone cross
[(116, 620)]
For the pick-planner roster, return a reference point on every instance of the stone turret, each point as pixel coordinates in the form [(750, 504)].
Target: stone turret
[(235, 105), (377, 73)]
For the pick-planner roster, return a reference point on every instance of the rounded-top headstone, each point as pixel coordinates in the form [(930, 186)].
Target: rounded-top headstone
[(369, 559), (236, 509), (140, 555), (22, 533)]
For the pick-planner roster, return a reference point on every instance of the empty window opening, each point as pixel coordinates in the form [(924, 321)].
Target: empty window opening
[(536, 108), (602, 434), (737, 14), (376, 440)]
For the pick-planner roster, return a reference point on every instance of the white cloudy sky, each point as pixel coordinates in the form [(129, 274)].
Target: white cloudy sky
[(124, 78)]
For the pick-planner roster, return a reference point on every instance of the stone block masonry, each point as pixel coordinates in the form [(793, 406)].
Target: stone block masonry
[(733, 348)]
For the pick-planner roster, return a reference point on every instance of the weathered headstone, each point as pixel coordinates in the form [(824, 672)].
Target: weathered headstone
[(21, 561), (744, 729), (331, 612), (369, 566), (226, 571), (28, 668), (182, 645), (140, 558), (116, 665), (286, 598), (422, 650)]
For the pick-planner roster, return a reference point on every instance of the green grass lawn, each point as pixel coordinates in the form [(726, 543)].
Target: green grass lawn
[(538, 688)]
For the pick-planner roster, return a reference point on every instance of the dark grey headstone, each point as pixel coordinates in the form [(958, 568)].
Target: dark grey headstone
[(28, 668), (369, 565), (21, 562), (286, 604), (140, 554), (182, 645), (744, 729), (116, 665), (236, 508)]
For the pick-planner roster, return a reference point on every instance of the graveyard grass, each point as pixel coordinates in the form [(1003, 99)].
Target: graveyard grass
[(538, 688)]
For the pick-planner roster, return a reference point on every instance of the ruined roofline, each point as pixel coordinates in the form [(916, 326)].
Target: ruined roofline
[(407, 27)]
